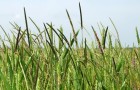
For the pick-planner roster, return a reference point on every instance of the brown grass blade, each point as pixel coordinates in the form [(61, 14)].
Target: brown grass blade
[(99, 44), (17, 39), (74, 34)]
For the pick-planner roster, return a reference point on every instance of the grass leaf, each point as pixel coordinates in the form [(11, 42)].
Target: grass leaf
[(26, 22)]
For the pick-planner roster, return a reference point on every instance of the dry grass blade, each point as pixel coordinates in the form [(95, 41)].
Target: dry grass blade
[(72, 29), (17, 39), (22, 35), (27, 27), (99, 44)]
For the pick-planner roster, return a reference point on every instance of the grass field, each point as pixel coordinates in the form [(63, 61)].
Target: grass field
[(38, 62)]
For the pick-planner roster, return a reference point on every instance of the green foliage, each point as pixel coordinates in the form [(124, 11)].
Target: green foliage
[(38, 62)]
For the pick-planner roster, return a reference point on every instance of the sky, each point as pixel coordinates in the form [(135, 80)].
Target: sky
[(124, 13)]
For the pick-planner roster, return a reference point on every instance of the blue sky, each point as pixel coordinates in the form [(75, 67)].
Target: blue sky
[(124, 13)]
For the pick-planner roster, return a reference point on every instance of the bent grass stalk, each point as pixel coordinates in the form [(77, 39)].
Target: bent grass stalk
[(74, 34), (26, 22)]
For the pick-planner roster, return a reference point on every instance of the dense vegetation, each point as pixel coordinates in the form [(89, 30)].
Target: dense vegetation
[(38, 62)]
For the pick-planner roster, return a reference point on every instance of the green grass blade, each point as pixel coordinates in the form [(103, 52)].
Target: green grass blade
[(104, 38), (35, 25), (118, 37), (81, 18), (6, 83), (24, 74), (51, 42), (6, 35), (55, 32), (110, 42), (85, 52), (137, 34), (26, 22)]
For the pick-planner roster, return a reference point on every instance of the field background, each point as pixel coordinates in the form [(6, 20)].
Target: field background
[(49, 60)]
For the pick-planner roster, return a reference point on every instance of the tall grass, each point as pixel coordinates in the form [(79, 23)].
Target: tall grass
[(38, 62)]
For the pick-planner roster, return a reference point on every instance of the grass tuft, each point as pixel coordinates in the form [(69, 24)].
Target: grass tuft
[(50, 61)]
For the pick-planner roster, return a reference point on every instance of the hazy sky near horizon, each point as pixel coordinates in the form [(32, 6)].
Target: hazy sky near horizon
[(124, 13)]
